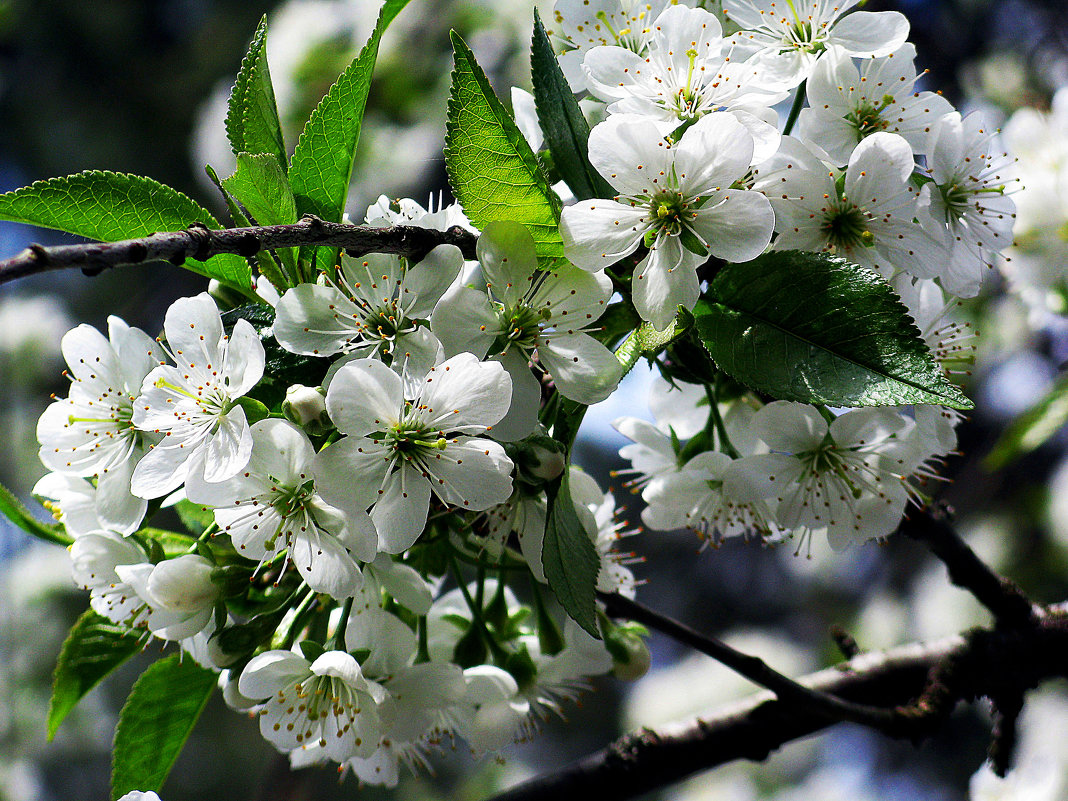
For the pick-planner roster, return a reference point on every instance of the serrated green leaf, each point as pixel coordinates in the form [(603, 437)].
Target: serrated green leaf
[(94, 647), (815, 328), (11, 508), (262, 187), (566, 131), (252, 124), (569, 559), (494, 173), (1032, 428), (155, 722), (322, 161), (110, 206), (266, 262)]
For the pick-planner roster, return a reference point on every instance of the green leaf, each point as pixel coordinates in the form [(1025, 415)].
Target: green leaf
[(322, 161), (570, 561), (493, 171), (252, 124), (194, 516), (566, 131), (266, 262), (94, 647), (815, 328), (110, 206), (13, 510), (155, 722), (1032, 428), (262, 187)]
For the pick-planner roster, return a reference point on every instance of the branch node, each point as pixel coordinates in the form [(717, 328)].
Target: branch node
[(201, 236), (845, 642), (248, 245), (40, 253)]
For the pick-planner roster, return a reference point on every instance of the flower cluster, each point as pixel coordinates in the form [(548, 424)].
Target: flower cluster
[(373, 464), (872, 169), (333, 518)]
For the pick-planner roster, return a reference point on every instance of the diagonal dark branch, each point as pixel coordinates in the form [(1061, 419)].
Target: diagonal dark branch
[(962, 668), (1004, 599), (201, 243)]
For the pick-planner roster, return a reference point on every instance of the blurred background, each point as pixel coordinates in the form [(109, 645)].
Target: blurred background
[(140, 86)]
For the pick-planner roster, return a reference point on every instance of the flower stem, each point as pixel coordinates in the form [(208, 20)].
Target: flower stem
[(795, 110)]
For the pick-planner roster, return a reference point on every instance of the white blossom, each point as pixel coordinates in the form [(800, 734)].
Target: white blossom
[(326, 703), (846, 104), (273, 507), (91, 432), (970, 194), (401, 445), (527, 313), (179, 591), (193, 404), (675, 198), (788, 36)]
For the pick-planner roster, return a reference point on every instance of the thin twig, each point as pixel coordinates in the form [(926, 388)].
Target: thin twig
[(201, 243), (1004, 599), (752, 729)]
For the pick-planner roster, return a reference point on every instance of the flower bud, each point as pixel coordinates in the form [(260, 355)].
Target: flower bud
[(306, 406), (630, 654)]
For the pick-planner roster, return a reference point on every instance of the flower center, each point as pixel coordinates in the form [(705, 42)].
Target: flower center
[(670, 210), (846, 227), (867, 118), (409, 439)]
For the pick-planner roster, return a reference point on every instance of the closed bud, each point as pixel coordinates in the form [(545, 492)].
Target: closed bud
[(630, 654), (306, 406)]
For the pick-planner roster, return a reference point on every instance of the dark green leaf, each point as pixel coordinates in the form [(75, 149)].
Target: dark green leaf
[(1032, 428), (13, 510), (94, 647), (110, 206), (493, 171), (252, 124), (815, 328), (570, 561), (322, 161), (194, 516), (562, 122), (155, 722)]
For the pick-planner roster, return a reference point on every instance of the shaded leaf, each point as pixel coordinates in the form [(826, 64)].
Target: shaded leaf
[(1032, 428), (322, 161), (566, 131), (569, 559), (11, 508), (252, 124), (155, 722), (94, 647), (815, 328)]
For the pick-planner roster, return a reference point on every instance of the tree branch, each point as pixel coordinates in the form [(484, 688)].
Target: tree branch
[(1004, 599), (201, 243), (965, 667)]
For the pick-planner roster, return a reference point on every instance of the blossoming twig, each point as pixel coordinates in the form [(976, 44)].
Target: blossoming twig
[(198, 242)]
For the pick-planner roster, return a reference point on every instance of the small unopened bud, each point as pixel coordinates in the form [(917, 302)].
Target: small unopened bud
[(630, 654), (306, 406)]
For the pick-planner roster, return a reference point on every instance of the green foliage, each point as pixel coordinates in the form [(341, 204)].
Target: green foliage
[(815, 328), (110, 206), (1032, 428), (13, 510), (262, 187), (252, 124), (94, 647), (562, 122), (570, 561), (322, 161), (493, 171), (155, 722)]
